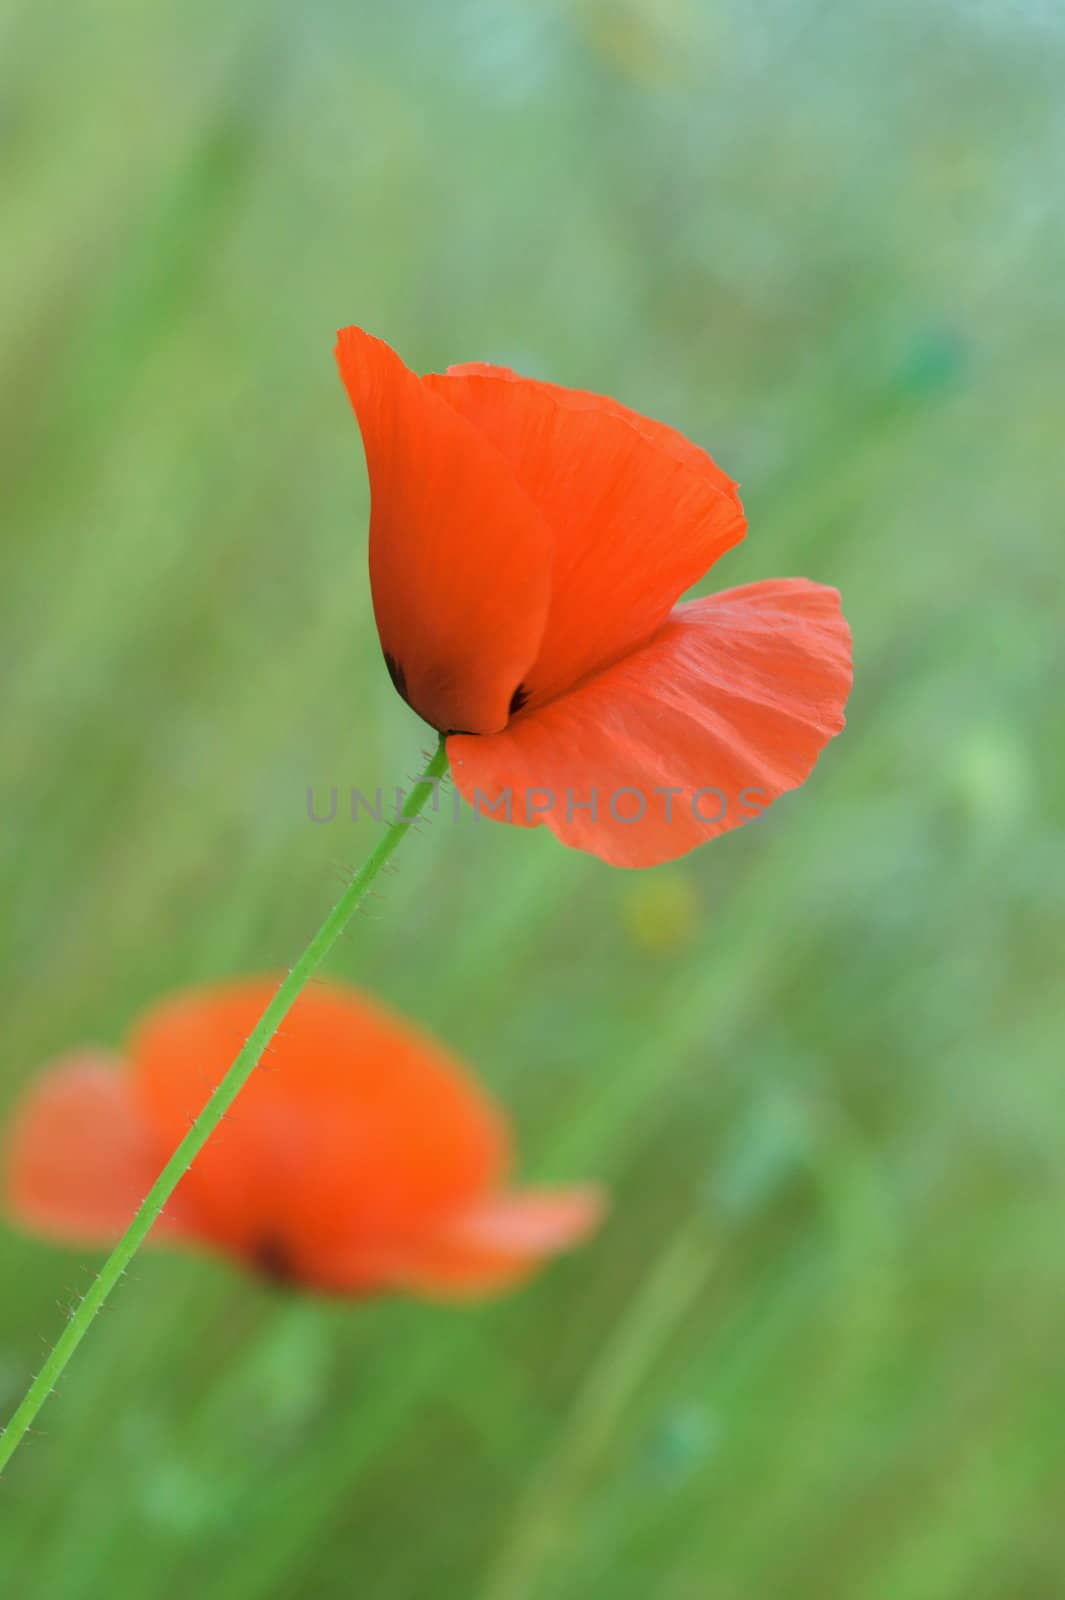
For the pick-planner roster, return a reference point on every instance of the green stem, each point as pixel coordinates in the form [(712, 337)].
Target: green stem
[(216, 1107)]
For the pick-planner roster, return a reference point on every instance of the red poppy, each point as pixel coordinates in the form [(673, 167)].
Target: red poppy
[(527, 546), (360, 1157)]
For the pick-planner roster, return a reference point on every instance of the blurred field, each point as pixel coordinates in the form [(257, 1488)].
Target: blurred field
[(818, 1349)]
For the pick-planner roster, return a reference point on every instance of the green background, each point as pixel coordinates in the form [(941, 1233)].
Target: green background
[(818, 1349)]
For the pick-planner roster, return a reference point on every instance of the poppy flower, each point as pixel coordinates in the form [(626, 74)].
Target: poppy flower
[(528, 545), (360, 1156)]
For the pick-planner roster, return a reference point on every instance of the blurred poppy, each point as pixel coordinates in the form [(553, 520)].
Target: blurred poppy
[(360, 1157), (527, 546)]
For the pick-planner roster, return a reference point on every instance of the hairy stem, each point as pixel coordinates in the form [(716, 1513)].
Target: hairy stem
[(222, 1097)]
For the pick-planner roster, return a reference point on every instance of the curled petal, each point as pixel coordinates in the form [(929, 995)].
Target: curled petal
[(638, 513), (460, 557), (695, 733)]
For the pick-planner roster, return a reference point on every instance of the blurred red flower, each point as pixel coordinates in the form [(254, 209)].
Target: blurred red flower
[(360, 1157), (527, 546)]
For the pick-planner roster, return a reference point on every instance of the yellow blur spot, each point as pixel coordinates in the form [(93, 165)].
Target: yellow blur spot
[(661, 913), (647, 41)]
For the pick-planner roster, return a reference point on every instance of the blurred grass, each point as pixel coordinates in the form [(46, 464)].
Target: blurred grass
[(818, 1348)]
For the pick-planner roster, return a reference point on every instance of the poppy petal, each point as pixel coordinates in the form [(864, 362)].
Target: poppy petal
[(356, 1126), (79, 1157), (638, 513), (495, 1243), (659, 433), (460, 557), (691, 735)]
